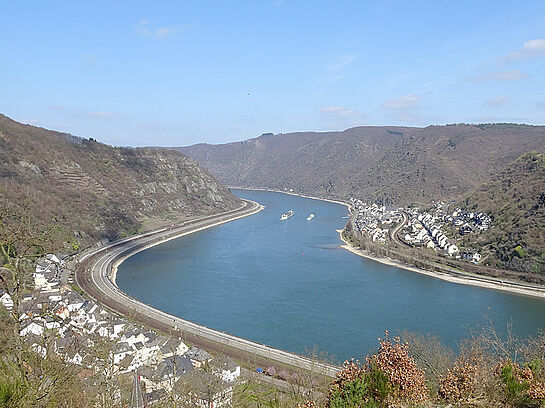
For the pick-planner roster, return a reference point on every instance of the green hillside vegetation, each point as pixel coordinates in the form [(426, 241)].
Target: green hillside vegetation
[(389, 165), (94, 191), (515, 198)]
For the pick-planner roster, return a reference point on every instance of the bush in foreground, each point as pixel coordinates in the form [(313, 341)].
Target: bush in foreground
[(389, 378)]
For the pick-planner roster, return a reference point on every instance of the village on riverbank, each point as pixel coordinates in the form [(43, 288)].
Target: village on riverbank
[(439, 228), (55, 318)]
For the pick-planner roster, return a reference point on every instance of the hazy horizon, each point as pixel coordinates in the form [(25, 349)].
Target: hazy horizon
[(175, 74)]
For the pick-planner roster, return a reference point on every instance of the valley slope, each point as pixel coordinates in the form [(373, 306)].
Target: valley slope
[(94, 191), (389, 165), (515, 198)]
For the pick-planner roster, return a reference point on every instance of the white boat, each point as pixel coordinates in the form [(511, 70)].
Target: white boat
[(311, 216), (286, 215)]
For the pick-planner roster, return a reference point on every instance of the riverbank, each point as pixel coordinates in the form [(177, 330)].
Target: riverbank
[(96, 278), (175, 235), (347, 205), (461, 280), (473, 280)]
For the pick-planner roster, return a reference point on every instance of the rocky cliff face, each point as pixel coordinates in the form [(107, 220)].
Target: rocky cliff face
[(97, 191)]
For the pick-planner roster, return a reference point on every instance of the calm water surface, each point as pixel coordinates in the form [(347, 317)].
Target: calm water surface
[(289, 285)]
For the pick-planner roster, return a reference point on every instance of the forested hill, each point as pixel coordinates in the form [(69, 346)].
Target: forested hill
[(94, 191), (391, 165), (515, 198)]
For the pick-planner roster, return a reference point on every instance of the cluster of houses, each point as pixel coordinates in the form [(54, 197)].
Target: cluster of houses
[(373, 220), (56, 319), (467, 222), (425, 229)]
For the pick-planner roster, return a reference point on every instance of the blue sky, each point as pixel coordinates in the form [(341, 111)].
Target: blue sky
[(177, 73)]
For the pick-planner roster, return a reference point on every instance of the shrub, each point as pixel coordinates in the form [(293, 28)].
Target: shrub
[(521, 253), (460, 382), (283, 375), (358, 386), (521, 385), (389, 378), (408, 381)]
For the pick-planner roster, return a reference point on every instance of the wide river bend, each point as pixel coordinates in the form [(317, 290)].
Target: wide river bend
[(289, 285)]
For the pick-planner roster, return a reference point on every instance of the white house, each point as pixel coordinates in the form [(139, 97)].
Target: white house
[(452, 249), (122, 349), (54, 259), (230, 370), (117, 327), (31, 327), (51, 323), (6, 300), (73, 302), (55, 297)]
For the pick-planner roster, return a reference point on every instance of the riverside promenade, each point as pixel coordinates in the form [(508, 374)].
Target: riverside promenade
[(96, 276)]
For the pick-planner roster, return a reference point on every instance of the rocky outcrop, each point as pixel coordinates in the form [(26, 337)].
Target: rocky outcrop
[(97, 191)]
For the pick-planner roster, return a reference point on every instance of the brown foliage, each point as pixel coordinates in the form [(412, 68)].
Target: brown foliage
[(461, 382), (394, 360)]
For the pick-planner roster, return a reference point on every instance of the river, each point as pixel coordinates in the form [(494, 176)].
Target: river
[(289, 284)]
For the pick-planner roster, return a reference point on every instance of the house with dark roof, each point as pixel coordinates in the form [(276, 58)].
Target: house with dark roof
[(166, 373), (198, 356)]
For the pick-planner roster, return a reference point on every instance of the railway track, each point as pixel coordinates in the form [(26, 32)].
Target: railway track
[(97, 278)]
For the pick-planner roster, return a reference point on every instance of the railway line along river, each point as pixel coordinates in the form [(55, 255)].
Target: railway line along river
[(290, 285)]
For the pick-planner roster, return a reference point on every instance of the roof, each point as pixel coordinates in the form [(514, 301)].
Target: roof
[(179, 365), (228, 364), (197, 354), (122, 347), (204, 384), (156, 395)]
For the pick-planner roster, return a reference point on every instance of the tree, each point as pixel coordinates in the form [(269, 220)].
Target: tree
[(28, 377)]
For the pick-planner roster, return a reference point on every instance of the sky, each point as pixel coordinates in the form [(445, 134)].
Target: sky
[(175, 73)]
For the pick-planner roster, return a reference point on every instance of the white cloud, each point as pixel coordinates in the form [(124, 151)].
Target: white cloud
[(498, 102), (145, 29), (530, 49), (342, 62), (163, 32), (340, 112), (512, 75), (403, 102), (535, 45)]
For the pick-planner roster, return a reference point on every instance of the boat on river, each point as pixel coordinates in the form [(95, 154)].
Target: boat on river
[(286, 215), (311, 216)]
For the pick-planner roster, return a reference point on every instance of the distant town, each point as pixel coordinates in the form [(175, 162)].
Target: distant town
[(438, 228)]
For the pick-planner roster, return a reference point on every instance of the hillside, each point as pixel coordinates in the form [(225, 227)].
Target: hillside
[(515, 199), (391, 165), (96, 191)]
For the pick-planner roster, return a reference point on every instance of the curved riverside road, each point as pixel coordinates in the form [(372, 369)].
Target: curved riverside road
[(96, 276)]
